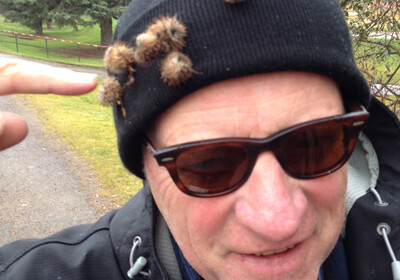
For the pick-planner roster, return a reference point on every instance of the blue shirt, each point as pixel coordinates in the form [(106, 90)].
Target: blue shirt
[(335, 266)]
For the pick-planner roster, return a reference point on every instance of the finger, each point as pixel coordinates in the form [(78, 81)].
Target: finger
[(17, 76), (13, 129)]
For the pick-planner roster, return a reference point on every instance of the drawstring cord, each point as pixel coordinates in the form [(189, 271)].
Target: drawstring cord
[(384, 229), (378, 198), (139, 264)]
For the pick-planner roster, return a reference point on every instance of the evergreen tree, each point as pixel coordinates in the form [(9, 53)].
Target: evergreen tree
[(31, 13), (69, 12), (102, 12)]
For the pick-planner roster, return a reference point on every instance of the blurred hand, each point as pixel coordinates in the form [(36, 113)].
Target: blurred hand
[(17, 76)]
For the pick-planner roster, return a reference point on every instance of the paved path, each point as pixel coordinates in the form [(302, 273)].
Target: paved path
[(44, 187), (101, 73)]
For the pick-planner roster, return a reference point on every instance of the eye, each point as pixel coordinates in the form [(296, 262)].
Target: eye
[(213, 160), (211, 165), (314, 150)]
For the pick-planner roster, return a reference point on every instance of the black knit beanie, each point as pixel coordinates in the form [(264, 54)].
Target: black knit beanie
[(227, 40)]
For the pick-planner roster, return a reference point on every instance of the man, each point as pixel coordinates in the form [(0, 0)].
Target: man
[(240, 118)]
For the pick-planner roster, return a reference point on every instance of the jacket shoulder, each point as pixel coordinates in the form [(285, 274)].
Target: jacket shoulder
[(79, 252)]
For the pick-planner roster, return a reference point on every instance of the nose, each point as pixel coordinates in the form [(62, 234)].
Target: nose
[(270, 203)]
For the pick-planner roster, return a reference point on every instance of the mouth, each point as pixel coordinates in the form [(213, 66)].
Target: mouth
[(283, 261), (273, 262), (270, 253)]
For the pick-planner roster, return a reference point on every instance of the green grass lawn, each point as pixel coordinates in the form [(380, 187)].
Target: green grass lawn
[(88, 129), (36, 48), (80, 121)]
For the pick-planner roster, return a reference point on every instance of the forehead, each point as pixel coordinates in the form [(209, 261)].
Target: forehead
[(254, 106)]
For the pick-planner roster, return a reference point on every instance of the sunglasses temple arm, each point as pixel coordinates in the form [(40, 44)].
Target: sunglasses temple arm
[(149, 146)]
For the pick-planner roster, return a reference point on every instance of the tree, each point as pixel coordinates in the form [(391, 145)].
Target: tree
[(30, 13), (102, 12), (375, 29), (68, 12)]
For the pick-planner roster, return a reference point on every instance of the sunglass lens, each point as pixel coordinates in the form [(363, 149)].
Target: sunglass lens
[(310, 152), (212, 169)]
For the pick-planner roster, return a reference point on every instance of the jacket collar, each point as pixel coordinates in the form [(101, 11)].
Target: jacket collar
[(137, 218)]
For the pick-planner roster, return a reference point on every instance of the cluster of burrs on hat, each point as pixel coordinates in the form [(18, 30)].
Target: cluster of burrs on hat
[(164, 39)]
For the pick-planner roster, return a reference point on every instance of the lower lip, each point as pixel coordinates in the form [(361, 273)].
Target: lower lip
[(276, 264)]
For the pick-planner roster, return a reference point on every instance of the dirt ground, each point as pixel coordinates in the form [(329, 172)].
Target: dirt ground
[(44, 186)]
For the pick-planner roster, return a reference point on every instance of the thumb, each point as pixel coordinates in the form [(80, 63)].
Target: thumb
[(13, 129)]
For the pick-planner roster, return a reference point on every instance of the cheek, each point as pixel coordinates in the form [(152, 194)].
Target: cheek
[(332, 189), (189, 218), (209, 216), (328, 195), (201, 222)]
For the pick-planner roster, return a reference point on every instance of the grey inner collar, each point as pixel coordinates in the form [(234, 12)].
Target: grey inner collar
[(363, 171), (164, 249)]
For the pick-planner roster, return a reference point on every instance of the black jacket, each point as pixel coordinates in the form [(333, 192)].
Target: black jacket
[(367, 255), (98, 251), (102, 250)]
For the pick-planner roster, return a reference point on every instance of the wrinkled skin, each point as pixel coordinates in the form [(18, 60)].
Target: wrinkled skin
[(272, 211)]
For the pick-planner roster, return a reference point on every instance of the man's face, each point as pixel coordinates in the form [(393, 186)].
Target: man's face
[(274, 226)]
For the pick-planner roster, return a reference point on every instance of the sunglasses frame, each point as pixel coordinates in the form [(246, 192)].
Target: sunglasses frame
[(354, 121)]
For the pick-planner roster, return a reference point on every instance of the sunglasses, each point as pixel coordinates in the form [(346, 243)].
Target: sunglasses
[(308, 150)]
